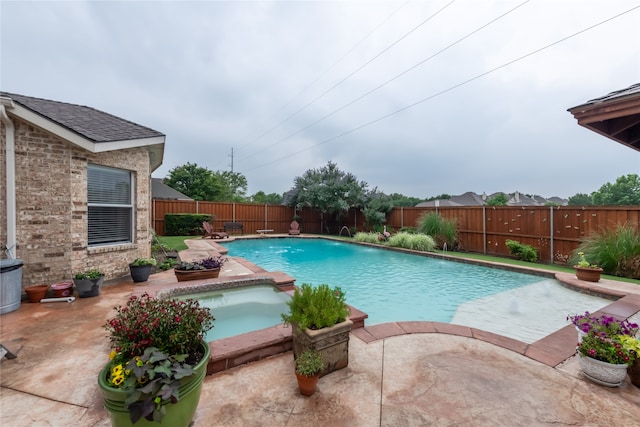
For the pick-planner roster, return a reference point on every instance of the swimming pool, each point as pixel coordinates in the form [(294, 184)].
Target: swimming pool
[(391, 286), (242, 309)]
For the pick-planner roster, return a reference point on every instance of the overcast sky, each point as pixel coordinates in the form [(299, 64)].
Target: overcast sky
[(419, 97)]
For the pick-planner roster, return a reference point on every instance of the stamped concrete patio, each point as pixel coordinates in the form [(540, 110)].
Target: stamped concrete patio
[(399, 374)]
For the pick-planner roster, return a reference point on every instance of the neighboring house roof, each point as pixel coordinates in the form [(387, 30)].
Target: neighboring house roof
[(91, 129), (514, 199), (615, 115), (160, 190)]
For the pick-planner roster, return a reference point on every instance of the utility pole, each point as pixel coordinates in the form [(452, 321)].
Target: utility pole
[(231, 159)]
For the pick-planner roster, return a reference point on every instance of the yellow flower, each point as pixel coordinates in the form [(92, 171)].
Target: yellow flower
[(112, 354), (116, 370), (117, 380)]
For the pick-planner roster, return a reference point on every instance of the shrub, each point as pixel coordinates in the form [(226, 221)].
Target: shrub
[(416, 242), (363, 237), (522, 251), (316, 308), (442, 230), (617, 251), (185, 224)]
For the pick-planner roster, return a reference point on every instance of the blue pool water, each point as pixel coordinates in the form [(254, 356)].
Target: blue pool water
[(243, 309), (387, 285)]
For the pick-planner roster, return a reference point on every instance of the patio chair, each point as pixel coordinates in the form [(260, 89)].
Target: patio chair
[(294, 228), (210, 233)]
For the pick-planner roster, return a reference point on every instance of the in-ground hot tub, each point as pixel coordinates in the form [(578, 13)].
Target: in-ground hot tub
[(238, 307)]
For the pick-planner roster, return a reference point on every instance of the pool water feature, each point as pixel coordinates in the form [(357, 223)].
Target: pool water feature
[(391, 286), (242, 309)]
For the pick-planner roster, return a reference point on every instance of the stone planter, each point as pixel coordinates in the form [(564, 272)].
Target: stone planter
[(332, 343), (603, 373), (185, 275), (88, 287), (588, 274), (178, 414)]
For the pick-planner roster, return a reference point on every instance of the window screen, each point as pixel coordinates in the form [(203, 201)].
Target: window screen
[(110, 204)]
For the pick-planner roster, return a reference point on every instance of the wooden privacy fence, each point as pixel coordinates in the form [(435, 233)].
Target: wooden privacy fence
[(252, 216), (555, 231)]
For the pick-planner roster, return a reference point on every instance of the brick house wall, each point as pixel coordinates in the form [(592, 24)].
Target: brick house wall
[(51, 201)]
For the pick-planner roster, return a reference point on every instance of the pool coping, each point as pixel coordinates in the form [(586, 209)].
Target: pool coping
[(551, 350)]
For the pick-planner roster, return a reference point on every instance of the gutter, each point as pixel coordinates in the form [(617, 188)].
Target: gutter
[(10, 244)]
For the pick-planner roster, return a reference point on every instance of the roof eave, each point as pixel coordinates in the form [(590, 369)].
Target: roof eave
[(155, 144)]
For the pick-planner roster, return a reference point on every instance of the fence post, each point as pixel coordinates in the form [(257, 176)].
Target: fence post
[(484, 229), (265, 216), (233, 210), (551, 232)]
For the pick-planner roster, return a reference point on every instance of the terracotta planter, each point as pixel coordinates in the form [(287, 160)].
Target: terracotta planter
[(88, 287), (37, 292), (62, 289), (603, 373), (332, 343), (588, 274), (634, 372), (178, 414), (307, 385), (186, 275)]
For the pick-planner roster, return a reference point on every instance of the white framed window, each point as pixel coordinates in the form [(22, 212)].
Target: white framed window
[(111, 205)]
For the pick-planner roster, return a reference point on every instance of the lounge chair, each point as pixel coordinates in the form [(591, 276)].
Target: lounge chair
[(294, 228), (208, 229)]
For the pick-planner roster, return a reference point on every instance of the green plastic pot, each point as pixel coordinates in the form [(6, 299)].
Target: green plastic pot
[(178, 414)]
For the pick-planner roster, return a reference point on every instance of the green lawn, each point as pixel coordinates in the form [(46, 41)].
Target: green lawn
[(175, 242)]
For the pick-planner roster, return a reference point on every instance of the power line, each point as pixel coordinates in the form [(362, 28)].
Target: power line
[(390, 80), (449, 88), (322, 74), (304, 107)]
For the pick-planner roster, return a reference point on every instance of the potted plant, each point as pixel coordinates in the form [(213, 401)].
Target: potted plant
[(140, 269), (603, 357), (158, 363), (207, 268), (632, 344), (88, 283), (318, 316), (586, 270), (309, 364), (36, 292)]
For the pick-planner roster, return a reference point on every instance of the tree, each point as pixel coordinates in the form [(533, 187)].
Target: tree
[(407, 201), (235, 186), (580, 199), (442, 196), (197, 182), (376, 209), (625, 191), (327, 189), (271, 199), (499, 199)]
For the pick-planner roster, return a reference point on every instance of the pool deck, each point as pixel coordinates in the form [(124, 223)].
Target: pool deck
[(402, 373)]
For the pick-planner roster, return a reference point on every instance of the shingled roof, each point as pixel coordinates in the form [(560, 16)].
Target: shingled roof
[(86, 127), (88, 122), (615, 115)]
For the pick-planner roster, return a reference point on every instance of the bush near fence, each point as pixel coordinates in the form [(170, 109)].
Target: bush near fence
[(185, 224)]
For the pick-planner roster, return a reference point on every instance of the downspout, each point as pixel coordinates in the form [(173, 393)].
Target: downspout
[(11, 177)]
